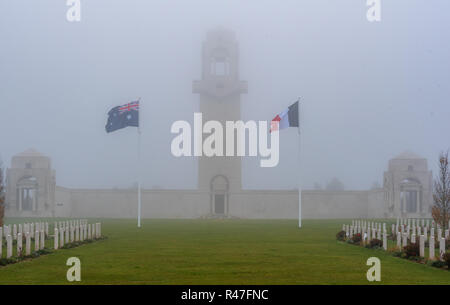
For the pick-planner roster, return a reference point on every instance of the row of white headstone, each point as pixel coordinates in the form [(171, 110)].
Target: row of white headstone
[(15, 229), (404, 230), (403, 237), (369, 230), (413, 222), (69, 231), (419, 230)]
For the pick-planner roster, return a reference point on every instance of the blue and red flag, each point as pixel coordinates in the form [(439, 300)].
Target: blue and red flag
[(123, 116), (287, 118)]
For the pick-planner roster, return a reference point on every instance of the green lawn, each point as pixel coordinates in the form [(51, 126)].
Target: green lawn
[(220, 252)]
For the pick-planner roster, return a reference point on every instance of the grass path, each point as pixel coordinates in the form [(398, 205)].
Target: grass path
[(220, 252)]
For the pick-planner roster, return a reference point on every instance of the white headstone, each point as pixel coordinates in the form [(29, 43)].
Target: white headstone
[(432, 250), (61, 238), (385, 241), (36, 241), (422, 246), (67, 232), (405, 240), (9, 246), (19, 244), (15, 231), (442, 248), (27, 243), (55, 240), (42, 239)]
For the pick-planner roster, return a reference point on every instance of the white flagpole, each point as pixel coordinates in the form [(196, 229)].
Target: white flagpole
[(299, 172), (139, 166)]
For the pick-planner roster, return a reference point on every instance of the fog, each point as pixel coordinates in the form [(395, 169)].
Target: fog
[(369, 91)]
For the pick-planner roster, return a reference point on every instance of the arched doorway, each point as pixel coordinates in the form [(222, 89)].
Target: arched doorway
[(219, 195), (410, 196), (27, 194)]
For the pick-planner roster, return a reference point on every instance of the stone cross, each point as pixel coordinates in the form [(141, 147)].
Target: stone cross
[(422, 246), (27, 243)]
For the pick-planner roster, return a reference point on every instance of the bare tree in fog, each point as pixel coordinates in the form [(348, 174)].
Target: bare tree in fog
[(441, 196)]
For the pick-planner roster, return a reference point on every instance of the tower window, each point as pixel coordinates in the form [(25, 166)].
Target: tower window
[(220, 67), (410, 168), (28, 165)]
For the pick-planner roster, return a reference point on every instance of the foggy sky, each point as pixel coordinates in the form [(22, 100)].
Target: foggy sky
[(369, 91)]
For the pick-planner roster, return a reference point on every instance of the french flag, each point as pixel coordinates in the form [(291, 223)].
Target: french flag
[(287, 118)]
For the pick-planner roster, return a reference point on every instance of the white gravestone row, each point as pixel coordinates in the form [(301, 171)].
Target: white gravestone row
[(369, 230), (405, 230), (64, 232)]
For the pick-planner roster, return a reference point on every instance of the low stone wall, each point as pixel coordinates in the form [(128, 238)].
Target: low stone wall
[(251, 204)]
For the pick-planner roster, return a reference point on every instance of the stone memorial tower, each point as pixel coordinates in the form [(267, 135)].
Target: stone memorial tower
[(220, 92)]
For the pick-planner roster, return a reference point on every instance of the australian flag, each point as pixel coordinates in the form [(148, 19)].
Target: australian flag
[(123, 116)]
